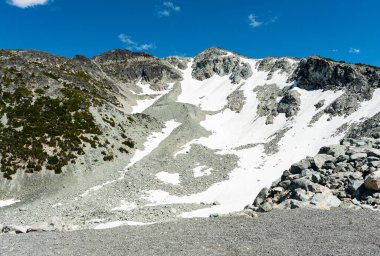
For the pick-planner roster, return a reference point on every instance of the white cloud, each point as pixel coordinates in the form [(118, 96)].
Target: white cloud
[(253, 21), (165, 13), (168, 8), (134, 46), (353, 50), (27, 3), (170, 5)]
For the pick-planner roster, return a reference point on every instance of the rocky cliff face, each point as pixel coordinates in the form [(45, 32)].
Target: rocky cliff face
[(220, 62)]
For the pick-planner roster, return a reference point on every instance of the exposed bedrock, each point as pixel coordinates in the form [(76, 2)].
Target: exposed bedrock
[(129, 66), (220, 62), (314, 73), (290, 103)]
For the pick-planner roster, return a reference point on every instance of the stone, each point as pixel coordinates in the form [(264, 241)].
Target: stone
[(40, 227), (306, 172), (302, 195), (374, 164), (325, 201), (266, 207), (374, 152), (297, 168), (21, 229), (358, 156), (353, 185), (333, 150), (251, 213), (320, 159), (261, 197), (372, 181), (278, 189)]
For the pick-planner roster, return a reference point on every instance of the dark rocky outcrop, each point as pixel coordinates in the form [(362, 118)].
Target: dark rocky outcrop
[(316, 73), (129, 66), (290, 103), (217, 61)]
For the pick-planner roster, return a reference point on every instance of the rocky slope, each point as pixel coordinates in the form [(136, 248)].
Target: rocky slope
[(130, 138), (344, 175)]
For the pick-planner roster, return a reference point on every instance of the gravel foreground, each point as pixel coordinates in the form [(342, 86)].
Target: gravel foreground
[(282, 232)]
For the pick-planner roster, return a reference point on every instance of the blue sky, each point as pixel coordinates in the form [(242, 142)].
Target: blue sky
[(340, 29)]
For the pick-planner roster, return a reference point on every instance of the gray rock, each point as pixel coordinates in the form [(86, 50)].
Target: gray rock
[(266, 207), (333, 150), (374, 152), (321, 158), (297, 168), (261, 197), (325, 201), (358, 156)]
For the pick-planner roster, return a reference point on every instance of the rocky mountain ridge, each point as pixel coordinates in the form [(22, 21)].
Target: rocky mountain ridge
[(137, 138)]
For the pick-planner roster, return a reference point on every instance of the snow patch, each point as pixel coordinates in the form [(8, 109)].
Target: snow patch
[(202, 170), (170, 178), (125, 206), (115, 224), (7, 202)]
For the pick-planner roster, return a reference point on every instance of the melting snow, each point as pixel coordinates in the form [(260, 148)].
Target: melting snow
[(115, 224), (8, 202), (171, 178)]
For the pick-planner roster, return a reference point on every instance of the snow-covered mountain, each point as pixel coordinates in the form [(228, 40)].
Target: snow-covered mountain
[(204, 134)]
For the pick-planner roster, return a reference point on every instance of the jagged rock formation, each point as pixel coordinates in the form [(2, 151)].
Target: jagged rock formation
[(131, 67), (220, 62), (345, 175), (358, 81), (281, 65)]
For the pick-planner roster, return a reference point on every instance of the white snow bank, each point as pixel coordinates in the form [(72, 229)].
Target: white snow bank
[(201, 170), (8, 202), (125, 206), (170, 178), (115, 224)]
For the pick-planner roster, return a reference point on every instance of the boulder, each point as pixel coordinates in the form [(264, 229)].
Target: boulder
[(358, 156), (333, 150), (325, 201), (372, 181), (297, 168), (261, 197), (321, 158)]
